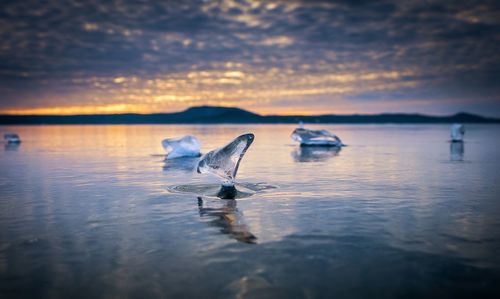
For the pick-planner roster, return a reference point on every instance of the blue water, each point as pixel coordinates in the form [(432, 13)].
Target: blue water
[(95, 212)]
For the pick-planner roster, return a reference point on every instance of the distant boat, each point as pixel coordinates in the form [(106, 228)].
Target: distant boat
[(11, 138), (457, 132)]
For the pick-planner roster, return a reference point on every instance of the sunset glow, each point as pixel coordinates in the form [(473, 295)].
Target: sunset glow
[(270, 57)]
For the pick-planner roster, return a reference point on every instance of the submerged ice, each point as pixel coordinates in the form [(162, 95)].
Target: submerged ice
[(457, 132), (224, 162), (187, 146), (315, 137), (11, 138)]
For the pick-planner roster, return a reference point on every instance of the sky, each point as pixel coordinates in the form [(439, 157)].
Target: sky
[(270, 57)]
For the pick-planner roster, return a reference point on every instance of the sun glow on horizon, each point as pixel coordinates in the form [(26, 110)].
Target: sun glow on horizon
[(261, 90), (129, 109)]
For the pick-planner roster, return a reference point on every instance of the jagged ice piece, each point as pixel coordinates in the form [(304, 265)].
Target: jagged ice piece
[(315, 137), (187, 146), (224, 162), (11, 138), (457, 132)]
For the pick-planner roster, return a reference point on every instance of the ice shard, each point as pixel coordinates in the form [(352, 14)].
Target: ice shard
[(12, 138), (224, 163), (308, 137), (457, 132), (187, 146)]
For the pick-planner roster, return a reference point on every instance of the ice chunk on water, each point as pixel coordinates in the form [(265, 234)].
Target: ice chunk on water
[(224, 162), (11, 138), (315, 137), (457, 132), (187, 146)]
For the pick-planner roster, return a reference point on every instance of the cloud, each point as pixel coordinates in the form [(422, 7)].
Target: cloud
[(280, 41), (247, 53)]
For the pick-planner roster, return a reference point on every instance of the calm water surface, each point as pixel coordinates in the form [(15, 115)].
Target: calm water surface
[(89, 212)]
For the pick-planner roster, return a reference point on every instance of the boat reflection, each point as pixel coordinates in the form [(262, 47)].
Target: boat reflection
[(456, 151), (228, 218), (315, 153)]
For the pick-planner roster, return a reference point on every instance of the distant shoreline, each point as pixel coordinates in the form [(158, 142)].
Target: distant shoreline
[(226, 115)]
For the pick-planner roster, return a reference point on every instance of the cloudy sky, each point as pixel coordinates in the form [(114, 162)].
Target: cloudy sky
[(271, 57)]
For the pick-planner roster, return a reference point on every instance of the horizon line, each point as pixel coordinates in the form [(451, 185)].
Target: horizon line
[(250, 111)]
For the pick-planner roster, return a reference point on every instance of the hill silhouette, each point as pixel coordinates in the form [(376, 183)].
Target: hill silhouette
[(214, 114)]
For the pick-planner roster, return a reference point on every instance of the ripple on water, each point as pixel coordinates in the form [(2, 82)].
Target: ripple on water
[(210, 190)]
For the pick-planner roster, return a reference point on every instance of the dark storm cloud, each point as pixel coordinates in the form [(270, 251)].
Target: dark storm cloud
[(55, 48)]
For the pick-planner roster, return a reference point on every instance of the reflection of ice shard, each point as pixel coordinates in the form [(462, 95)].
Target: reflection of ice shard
[(187, 146), (224, 162), (229, 219), (456, 151), (12, 146), (315, 153), (11, 138), (187, 164), (457, 132), (315, 137)]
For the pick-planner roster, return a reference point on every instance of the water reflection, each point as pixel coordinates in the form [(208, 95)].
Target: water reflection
[(82, 205), (187, 164), (229, 219), (10, 146), (456, 151), (315, 153)]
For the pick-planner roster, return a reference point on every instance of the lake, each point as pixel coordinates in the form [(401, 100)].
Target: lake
[(400, 212)]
